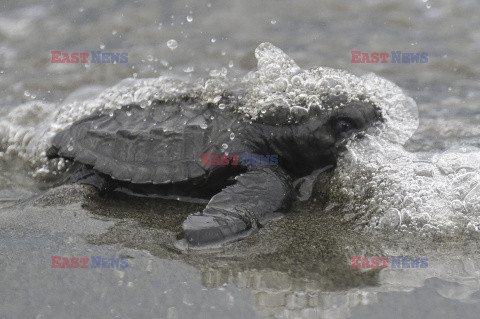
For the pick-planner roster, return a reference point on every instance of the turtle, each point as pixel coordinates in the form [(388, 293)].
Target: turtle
[(245, 168)]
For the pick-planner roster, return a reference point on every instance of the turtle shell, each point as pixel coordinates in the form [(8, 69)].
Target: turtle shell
[(159, 143)]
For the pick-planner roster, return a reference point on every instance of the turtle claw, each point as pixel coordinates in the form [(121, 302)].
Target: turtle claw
[(212, 227), (239, 209)]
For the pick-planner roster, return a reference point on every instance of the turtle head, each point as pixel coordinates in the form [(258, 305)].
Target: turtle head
[(327, 132), (343, 123), (318, 110), (316, 137)]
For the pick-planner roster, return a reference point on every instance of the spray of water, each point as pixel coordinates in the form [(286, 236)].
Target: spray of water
[(377, 183)]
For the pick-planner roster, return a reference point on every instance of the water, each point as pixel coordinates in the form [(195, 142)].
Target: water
[(385, 199)]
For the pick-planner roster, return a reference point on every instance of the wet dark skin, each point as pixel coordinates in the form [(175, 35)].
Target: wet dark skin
[(156, 152)]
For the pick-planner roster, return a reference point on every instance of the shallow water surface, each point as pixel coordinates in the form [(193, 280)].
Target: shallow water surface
[(417, 200)]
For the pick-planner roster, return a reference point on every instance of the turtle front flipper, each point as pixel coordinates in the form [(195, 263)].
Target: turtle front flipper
[(258, 195)]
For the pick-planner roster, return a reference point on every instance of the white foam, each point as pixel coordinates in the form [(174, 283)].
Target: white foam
[(376, 180), (394, 190), (279, 82)]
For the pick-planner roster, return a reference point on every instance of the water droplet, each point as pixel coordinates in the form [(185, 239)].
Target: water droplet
[(281, 84), (230, 64), (26, 93), (232, 136), (172, 44), (224, 146), (128, 113), (203, 126), (391, 219), (102, 46), (188, 69), (214, 72), (189, 18), (213, 40), (114, 32), (428, 5), (273, 21), (456, 205), (221, 106), (297, 80), (472, 227)]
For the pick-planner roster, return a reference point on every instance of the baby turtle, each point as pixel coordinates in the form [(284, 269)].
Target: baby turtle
[(191, 149)]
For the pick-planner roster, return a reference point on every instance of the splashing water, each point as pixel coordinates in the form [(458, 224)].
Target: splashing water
[(377, 182), (279, 82), (395, 190)]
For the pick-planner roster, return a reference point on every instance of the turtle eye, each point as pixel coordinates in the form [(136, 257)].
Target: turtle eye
[(343, 127)]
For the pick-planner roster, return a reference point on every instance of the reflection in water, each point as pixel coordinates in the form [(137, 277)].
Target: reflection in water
[(277, 295), (297, 267)]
